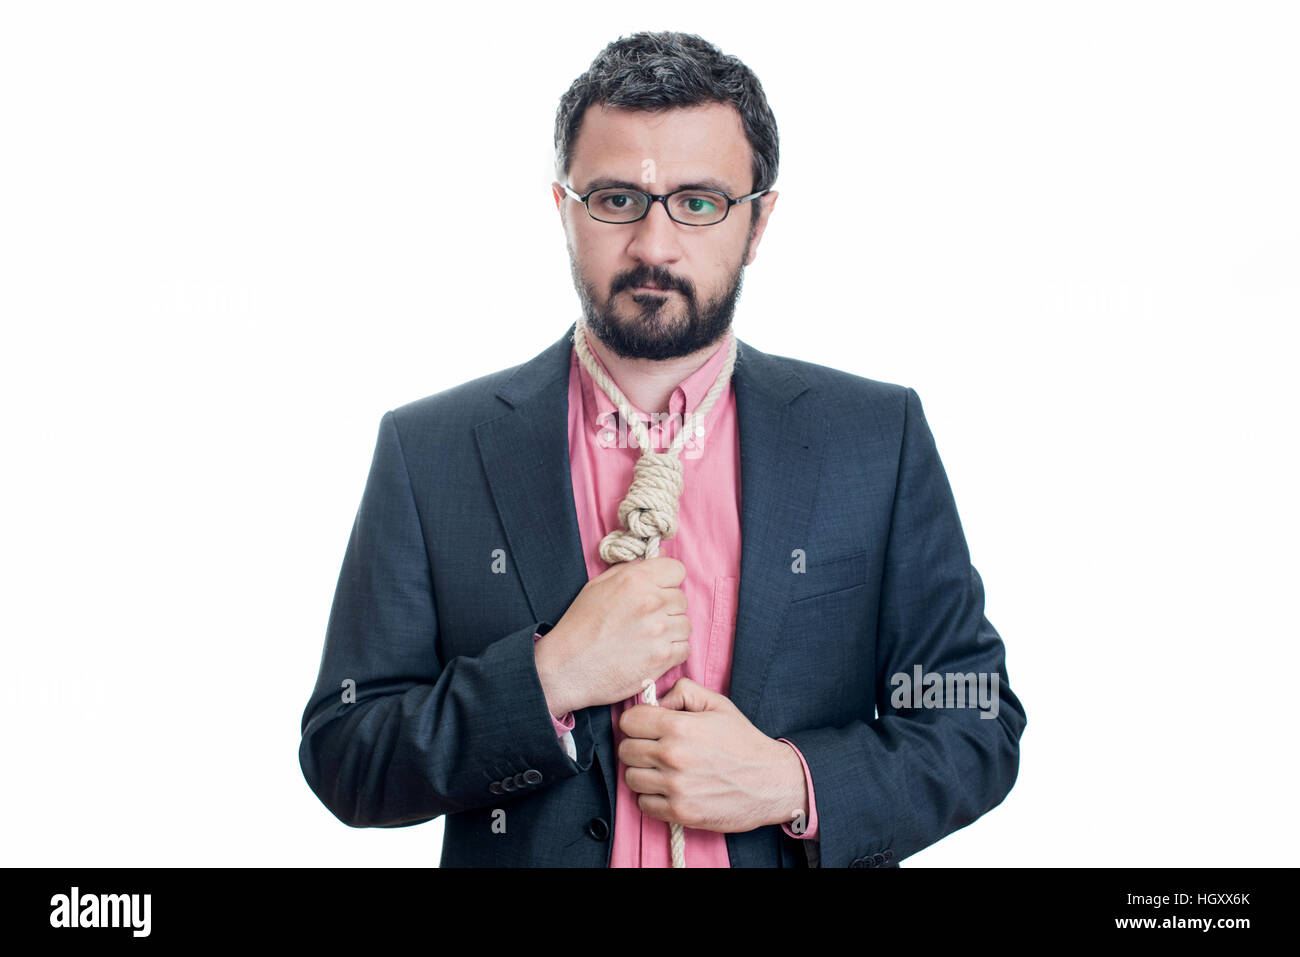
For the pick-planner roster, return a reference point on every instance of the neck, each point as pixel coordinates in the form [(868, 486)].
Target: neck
[(650, 383)]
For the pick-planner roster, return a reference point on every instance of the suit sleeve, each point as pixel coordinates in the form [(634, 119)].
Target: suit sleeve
[(892, 786), (416, 736)]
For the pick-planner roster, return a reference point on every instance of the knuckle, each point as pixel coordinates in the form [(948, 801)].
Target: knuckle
[(671, 756), (682, 810)]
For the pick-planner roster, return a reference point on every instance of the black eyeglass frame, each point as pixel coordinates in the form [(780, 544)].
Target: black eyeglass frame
[(662, 198)]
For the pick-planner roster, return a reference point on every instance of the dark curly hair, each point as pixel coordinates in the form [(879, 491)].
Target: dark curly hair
[(661, 71)]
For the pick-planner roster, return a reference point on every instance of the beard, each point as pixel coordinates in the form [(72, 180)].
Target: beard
[(656, 330)]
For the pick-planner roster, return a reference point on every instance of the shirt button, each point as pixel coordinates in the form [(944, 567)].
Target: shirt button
[(607, 436)]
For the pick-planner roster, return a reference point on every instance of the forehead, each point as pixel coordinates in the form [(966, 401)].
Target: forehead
[(684, 143)]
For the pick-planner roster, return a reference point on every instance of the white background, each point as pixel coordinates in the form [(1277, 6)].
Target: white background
[(233, 235)]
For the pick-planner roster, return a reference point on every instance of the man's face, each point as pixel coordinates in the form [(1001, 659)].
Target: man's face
[(698, 269)]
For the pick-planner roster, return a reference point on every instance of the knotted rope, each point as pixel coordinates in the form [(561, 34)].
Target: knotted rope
[(648, 513)]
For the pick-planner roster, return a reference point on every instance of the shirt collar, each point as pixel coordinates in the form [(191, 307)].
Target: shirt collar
[(601, 414)]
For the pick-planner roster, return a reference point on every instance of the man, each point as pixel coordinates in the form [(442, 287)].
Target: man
[(483, 658)]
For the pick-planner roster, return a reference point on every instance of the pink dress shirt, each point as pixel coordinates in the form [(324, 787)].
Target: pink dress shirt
[(602, 453)]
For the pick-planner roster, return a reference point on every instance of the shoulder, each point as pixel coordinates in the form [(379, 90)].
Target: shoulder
[(835, 392), (441, 427), (458, 410), (472, 402)]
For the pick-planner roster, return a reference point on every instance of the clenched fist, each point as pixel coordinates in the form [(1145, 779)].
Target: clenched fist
[(627, 625)]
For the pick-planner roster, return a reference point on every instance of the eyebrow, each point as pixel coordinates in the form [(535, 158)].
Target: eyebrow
[(603, 182)]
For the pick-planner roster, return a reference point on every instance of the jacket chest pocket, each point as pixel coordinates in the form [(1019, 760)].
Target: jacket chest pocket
[(829, 576)]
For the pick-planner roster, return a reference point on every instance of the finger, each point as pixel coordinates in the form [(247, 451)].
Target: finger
[(646, 780), (655, 806), (686, 695), (637, 753), (681, 652), (665, 572), (642, 721)]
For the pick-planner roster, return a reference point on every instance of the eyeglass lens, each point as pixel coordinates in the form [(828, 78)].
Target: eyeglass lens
[(692, 207)]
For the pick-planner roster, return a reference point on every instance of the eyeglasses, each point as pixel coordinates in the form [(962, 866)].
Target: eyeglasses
[(690, 207)]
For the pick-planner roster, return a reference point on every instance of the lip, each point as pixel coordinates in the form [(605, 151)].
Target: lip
[(643, 289)]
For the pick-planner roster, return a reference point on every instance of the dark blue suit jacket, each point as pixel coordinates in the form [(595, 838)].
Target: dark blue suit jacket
[(449, 716)]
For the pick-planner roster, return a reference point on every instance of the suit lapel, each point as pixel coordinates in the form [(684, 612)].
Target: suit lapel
[(781, 447), (525, 455)]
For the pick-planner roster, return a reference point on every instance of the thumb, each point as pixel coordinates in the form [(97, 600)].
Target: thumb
[(687, 695)]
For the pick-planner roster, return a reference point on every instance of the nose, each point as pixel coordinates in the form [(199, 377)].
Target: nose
[(656, 239)]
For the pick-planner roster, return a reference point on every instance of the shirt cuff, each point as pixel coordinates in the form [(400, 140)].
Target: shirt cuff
[(563, 725), (809, 831)]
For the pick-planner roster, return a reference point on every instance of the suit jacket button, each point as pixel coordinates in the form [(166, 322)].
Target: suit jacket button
[(888, 855), (508, 783), (495, 787), (879, 859), (598, 829), (861, 862), (520, 782), (533, 776)]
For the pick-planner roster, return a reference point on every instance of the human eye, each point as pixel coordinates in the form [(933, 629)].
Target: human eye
[(616, 200), (697, 205)]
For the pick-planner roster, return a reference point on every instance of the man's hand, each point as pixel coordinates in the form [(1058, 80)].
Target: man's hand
[(627, 625), (697, 761)]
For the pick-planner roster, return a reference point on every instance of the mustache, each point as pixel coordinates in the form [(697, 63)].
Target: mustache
[(650, 277)]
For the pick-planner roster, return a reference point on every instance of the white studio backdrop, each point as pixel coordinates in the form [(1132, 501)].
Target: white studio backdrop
[(233, 235)]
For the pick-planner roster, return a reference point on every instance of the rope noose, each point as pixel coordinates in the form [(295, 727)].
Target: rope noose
[(648, 513)]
